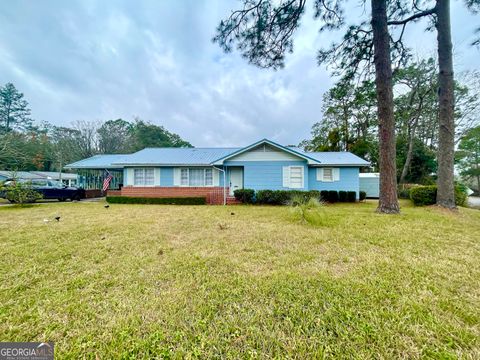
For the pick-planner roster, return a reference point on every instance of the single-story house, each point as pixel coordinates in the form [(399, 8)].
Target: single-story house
[(217, 172)]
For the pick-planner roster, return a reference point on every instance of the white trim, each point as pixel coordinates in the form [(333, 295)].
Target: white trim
[(335, 174), (143, 178)]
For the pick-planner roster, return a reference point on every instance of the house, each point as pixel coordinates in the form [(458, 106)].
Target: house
[(217, 172)]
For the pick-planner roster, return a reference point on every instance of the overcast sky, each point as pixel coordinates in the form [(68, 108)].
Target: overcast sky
[(100, 60)]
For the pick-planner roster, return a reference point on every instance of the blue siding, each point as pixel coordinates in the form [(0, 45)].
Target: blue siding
[(348, 180), (261, 175), (166, 176)]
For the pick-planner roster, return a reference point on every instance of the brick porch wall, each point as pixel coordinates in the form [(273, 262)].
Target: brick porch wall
[(213, 195)]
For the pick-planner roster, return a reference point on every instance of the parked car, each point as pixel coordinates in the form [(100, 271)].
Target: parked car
[(49, 189)]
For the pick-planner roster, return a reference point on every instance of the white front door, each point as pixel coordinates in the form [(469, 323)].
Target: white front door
[(236, 179)]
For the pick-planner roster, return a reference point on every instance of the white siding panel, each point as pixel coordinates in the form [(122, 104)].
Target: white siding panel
[(130, 176), (176, 176), (157, 177), (336, 174), (286, 176), (216, 177)]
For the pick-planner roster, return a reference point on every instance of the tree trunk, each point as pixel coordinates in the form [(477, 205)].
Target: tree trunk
[(388, 202), (408, 158), (446, 121)]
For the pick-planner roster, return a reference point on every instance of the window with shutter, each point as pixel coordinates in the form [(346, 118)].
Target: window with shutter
[(296, 177), (327, 174)]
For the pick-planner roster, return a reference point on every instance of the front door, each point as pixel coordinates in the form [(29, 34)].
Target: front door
[(236, 179)]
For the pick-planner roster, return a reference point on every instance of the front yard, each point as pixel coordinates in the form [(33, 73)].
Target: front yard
[(143, 281)]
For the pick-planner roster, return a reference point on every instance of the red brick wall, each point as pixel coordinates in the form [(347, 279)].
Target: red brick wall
[(213, 195)]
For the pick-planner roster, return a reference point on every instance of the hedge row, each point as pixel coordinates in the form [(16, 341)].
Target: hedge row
[(427, 195), (166, 201), (282, 197)]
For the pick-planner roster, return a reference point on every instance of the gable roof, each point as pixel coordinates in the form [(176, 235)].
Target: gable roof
[(289, 150), (208, 157)]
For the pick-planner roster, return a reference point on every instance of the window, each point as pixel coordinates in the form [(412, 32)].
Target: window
[(208, 177), (196, 177), (184, 177), (144, 177), (327, 174), (296, 177)]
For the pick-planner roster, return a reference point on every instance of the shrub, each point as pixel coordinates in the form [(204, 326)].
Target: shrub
[(246, 196), (423, 195), (166, 201), (306, 208), (351, 196), (461, 195), (283, 197), (363, 195), (324, 195), (264, 197), (332, 196), (342, 196), (21, 193), (404, 193), (427, 195)]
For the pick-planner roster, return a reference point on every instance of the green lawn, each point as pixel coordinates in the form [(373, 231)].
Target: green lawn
[(143, 281)]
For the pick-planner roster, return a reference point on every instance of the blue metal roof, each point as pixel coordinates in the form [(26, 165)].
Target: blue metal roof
[(206, 156), (176, 156), (98, 162), (338, 158)]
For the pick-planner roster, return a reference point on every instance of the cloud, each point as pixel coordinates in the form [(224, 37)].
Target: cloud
[(155, 60)]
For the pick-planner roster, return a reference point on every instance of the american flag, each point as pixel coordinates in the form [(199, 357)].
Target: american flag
[(106, 182)]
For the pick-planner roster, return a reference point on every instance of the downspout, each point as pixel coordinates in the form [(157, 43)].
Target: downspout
[(224, 184)]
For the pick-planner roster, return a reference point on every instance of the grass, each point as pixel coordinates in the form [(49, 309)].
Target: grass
[(138, 281)]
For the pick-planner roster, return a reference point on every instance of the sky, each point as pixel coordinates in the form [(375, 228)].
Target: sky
[(97, 60)]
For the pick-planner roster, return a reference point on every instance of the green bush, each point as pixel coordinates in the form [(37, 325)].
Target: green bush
[(324, 195), (427, 195), (404, 193), (351, 196), (246, 196), (283, 197), (342, 196), (166, 201), (461, 195), (363, 195), (424, 195), (332, 196), (21, 193)]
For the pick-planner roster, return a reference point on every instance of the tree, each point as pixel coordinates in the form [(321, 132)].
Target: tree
[(416, 106), (468, 156), (440, 14), (14, 111), (115, 137), (263, 33), (145, 134), (388, 200)]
